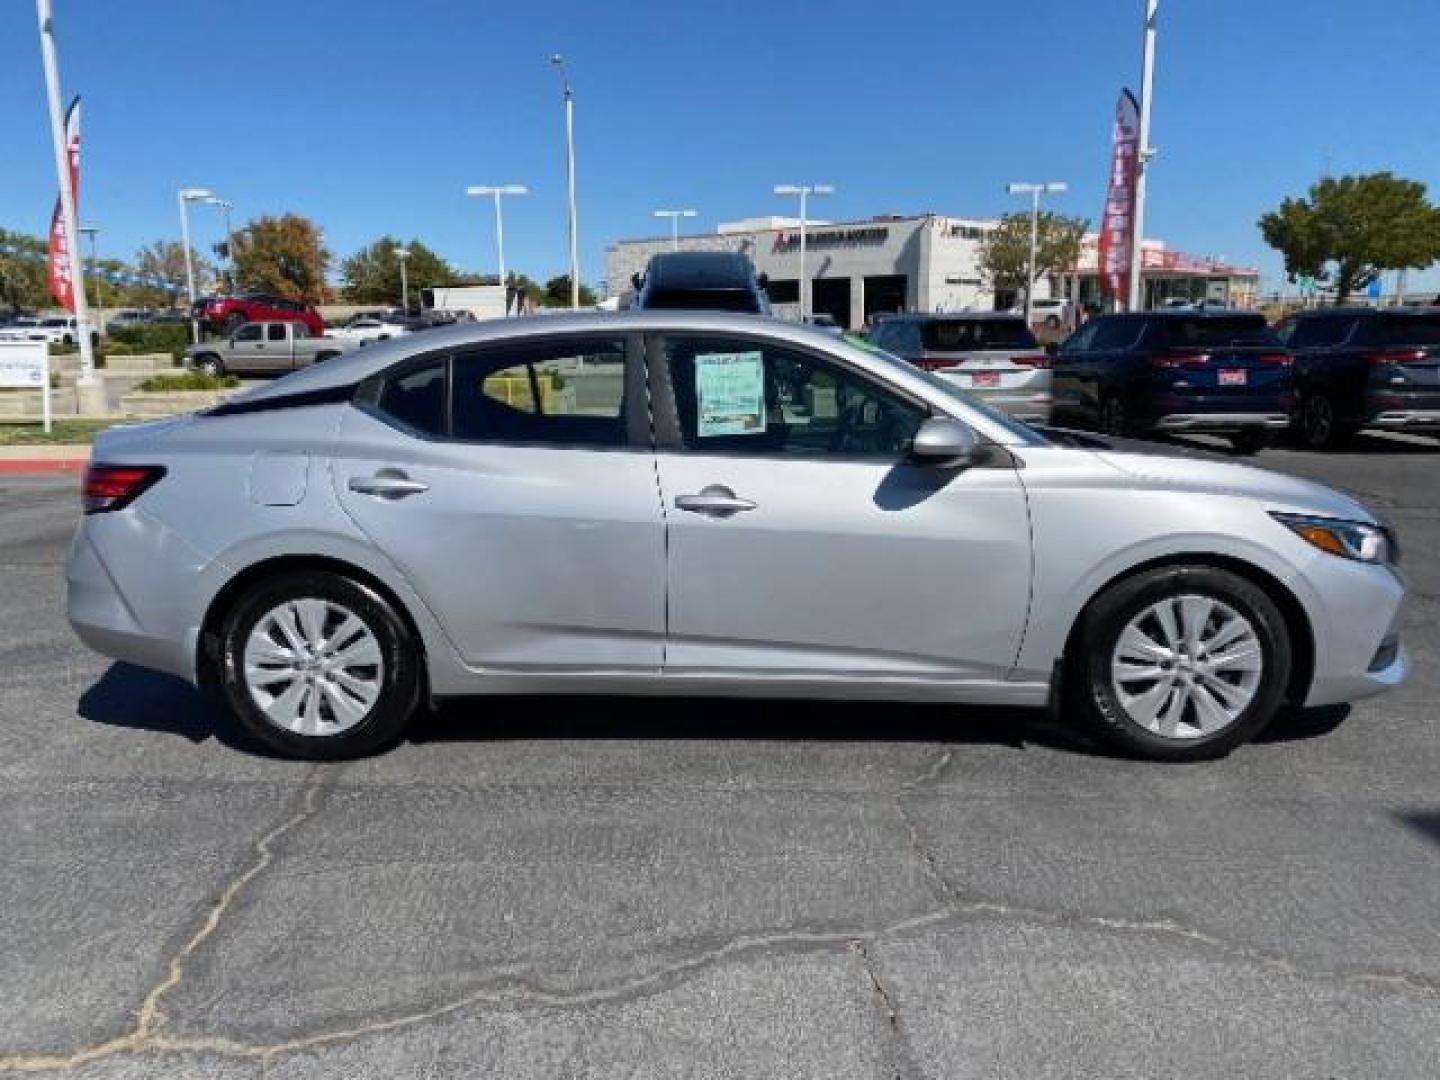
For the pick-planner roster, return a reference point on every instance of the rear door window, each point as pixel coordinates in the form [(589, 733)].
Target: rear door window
[(1419, 330), (1320, 333), (275, 332)]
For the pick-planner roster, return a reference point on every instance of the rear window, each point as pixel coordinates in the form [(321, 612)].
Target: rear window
[(702, 300), (1210, 332), (961, 335), (1408, 329)]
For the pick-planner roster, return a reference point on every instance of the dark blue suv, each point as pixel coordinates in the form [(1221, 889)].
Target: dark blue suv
[(1215, 371), (1364, 367)]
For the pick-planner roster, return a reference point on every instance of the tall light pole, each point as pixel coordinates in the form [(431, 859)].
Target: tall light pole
[(87, 384), (1034, 191), (186, 196), (91, 232), (804, 191), (497, 193), (559, 62), (225, 206), (674, 216), (403, 254), (1144, 153)]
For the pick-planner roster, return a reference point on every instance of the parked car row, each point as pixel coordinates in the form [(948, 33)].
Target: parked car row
[(57, 330), (1323, 374)]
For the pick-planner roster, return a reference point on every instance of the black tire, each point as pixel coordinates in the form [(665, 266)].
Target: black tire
[(233, 322), (1249, 442), (1317, 424), (1114, 419), (209, 364), (400, 679), (1090, 691)]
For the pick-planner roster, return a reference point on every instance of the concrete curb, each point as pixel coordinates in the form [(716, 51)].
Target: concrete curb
[(42, 460)]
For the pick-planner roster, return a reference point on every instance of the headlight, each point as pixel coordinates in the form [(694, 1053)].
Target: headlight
[(1347, 539)]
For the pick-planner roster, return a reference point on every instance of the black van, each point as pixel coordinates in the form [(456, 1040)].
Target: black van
[(701, 281)]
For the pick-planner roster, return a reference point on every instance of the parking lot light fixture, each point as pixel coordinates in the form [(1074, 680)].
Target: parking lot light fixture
[(498, 192), (225, 206), (674, 216), (1053, 187), (558, 62), (804, 191), (403, 254), (186, 196)]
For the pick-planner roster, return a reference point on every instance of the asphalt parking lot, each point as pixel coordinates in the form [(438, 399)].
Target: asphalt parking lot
[(623, 888)]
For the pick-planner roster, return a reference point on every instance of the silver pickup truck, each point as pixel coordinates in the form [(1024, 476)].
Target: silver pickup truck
[(262, 348)]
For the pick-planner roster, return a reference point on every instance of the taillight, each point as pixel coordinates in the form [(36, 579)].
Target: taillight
[(1177, 360), (113, 487), (929, 363), (1040, 360), (1386, 357), (1279, 359)]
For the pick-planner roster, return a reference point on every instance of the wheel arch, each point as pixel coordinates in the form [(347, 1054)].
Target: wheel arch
[(1297, 621), (208, 643)]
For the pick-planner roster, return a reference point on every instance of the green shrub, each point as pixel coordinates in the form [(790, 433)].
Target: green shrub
[(169, 338), (118, 348), (190, 380)]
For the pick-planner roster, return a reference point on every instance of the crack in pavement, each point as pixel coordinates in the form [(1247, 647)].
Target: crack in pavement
[(906, 1062), (511, 989), (149, 1018)]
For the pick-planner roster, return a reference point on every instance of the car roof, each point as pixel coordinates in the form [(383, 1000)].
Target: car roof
[(1352, 310), (953, 316), (698, 269)]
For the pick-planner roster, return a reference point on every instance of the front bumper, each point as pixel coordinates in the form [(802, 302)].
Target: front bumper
[(1240, 421)]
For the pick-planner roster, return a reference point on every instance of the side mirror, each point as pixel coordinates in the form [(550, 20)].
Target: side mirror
[(763, 281), (945, 443), (637, 280)]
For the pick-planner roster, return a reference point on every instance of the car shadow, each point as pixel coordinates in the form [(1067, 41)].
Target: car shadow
[(131, 697), (1426, 822)]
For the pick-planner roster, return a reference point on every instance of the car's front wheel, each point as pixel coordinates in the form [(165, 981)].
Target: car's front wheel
[(209, 364), (317, 665), (1180, 663)]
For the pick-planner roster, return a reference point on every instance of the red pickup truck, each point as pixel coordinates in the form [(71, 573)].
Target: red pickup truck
[(226, 314)]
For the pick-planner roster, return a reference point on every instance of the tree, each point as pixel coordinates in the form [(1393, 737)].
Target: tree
[(1004, 259), (164, 262), (24, 271), (285, 256), (557, 293), (372, 274), (1351, 229)]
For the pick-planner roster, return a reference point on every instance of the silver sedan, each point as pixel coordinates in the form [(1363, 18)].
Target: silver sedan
[(691, 503)]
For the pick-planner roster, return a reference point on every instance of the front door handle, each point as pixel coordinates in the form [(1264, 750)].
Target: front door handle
[(387, 484), (715, 500)]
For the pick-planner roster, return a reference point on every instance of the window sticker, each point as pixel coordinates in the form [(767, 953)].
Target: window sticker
[(730, 393)]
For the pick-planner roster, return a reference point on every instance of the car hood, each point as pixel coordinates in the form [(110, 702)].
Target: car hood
[(1209, 474)]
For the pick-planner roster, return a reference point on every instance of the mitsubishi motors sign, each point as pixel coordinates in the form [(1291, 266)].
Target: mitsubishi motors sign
[(1117, 223)]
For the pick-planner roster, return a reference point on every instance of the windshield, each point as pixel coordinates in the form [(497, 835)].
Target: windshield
[(1026, 434), (961, 335)]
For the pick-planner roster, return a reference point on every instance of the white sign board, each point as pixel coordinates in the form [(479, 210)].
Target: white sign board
[(730, 393), (26, 365)]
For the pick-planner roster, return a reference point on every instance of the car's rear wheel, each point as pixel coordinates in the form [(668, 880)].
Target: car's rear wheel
[(1180, 663), (1317, 424), (1114, 420), (209, 364), (317, 665)]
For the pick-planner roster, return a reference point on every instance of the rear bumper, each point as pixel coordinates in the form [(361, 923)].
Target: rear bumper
[(1031, 406), (1396, 419), (1236, 421)]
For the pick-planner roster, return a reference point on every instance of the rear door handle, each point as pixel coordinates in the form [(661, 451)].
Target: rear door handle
[(387, 485), (715, 500)]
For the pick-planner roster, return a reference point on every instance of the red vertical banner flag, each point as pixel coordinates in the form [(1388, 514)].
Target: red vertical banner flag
[(62, 287), (1117, 224)]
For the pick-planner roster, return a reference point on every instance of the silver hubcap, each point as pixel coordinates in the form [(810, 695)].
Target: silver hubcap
[(313, 667), (1187, 666)]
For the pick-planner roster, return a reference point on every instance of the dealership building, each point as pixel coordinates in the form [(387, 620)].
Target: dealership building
[(927, 262)]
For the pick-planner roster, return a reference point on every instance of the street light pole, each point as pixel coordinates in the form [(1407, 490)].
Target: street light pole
[(559, 62), (87, 382), (185, 197), (403, 254), (804, 191), (674, 216), (497, 192), (226, 206), (1144, 153), (1034, 191)]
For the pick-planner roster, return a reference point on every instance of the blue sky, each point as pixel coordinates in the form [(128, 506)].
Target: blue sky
[(372, 117)]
